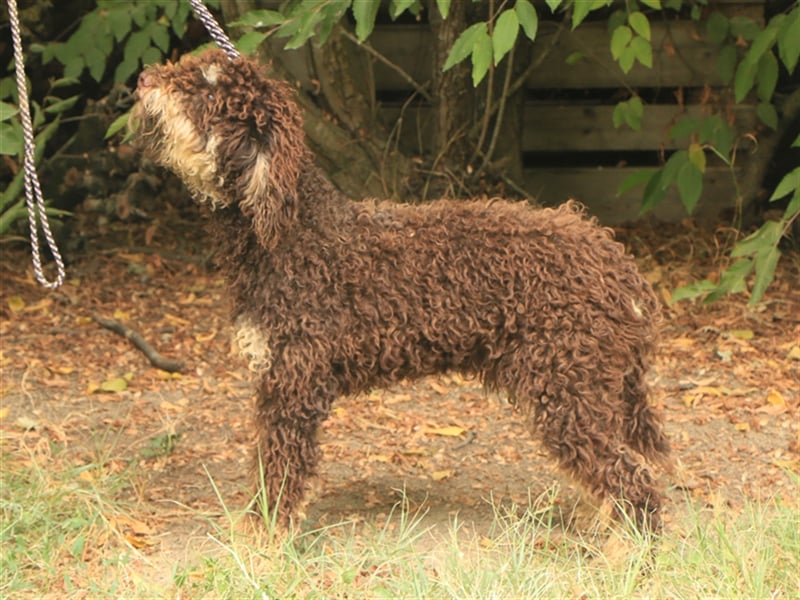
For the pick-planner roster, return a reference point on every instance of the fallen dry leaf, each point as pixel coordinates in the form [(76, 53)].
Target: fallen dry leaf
[(452, 431), (775, 398)]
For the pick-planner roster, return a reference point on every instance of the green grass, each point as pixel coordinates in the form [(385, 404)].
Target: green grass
[(59, 539), (58, 525)]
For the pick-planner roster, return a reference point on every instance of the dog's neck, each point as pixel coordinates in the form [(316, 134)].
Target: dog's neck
[(317, 206)]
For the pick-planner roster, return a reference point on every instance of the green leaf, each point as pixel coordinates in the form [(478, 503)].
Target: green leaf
[(767, 236), (74, 68), (50, 52), (96, 63), (715, 131), (528, 19), (767, 76), (690, 186), (125, 69), (504, 35), (10, 140), (464, 44), (673, 166), (7, 111), (793, 208), (765, 273), (250, 41), (179, 21), (61, 105), (768, 115), (744, 27), (643, 51), (553, 4), (64, 82), (332, 13), (481, 58), (444, 7), (635, 113), (697, 157), (745, 79), (627, 59), (618, 116), (616, 19), (789, 183), (365, 13), (789, 40), (654, 4), (717, 27), (580, 10), (761, 44), (693, 290), (170, 10), (575, 58), (119, 22), (640, 24), (117, 125), (137, 43), (654, 192), (619, 40), (259, 18), (685, 127), (796, 142), (634, 180), (303, 29), (398, 7), (139, 14), (726, 62), (731, 280), (151, 56), (159, 34)]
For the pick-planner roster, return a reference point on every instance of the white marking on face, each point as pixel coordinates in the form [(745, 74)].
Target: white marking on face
[(184, 149), (211, 73), (253, 344)]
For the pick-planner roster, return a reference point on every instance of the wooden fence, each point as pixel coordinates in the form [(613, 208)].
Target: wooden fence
[(570, 145)]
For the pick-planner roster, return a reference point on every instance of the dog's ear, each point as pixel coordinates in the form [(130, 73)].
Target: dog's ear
[(267, 153)]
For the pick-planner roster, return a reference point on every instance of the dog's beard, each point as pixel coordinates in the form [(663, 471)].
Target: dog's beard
[(168, 137)]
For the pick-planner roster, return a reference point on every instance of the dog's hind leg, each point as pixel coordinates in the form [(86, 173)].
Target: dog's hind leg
[(642, 426), (576, 410), (587, 445)]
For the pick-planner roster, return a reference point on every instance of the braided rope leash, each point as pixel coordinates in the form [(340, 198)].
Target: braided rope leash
[(33, 191), (37, 211), (213, 28)]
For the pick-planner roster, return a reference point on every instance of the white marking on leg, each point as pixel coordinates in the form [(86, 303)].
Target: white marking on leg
[(253, 343)]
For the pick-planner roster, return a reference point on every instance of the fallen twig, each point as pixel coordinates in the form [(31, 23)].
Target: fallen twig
[(158, 361)]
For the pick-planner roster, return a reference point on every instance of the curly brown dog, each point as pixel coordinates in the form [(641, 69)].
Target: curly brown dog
[(334, 297)]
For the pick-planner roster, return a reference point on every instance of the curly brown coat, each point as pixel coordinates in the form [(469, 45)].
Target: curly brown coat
[(334, 297)]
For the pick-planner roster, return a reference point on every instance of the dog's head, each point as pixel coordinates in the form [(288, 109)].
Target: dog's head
[(231, 134)]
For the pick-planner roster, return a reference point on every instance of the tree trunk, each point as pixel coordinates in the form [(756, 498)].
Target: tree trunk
[(349, 146), (453, 96)]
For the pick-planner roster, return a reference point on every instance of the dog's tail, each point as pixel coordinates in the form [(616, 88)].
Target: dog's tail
[(644, 430)]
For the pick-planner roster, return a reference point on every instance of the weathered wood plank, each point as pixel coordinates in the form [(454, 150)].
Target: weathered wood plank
[(572, 127), (597, 188), (681, 56)]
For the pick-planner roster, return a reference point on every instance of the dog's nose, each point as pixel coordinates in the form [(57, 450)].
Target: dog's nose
[(146, 80)]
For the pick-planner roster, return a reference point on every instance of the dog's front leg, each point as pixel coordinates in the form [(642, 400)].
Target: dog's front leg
[(292, 403)]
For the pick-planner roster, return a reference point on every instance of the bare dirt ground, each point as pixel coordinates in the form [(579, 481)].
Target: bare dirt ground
[(727, 378)]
